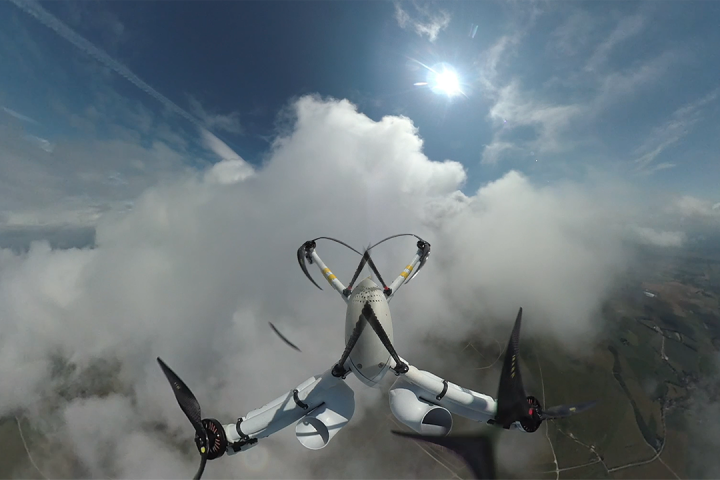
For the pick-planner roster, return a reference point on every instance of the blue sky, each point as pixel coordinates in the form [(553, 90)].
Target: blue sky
[(557, 90)]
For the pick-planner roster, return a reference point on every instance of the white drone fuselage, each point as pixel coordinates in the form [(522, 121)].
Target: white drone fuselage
[(323, 404), (369, 360)]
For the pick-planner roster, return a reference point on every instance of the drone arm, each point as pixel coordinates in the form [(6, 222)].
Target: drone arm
[(329, 276), (405, 274)]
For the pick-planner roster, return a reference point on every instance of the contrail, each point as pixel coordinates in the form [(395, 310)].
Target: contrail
[(49, 20)]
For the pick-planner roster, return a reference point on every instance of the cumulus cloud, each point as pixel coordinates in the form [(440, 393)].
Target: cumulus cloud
[(195, 270)]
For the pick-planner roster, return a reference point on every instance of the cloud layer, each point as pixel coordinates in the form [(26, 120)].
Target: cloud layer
[(201, 263)]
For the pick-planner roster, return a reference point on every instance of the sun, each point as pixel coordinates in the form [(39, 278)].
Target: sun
[(447, 82), (443, 79)]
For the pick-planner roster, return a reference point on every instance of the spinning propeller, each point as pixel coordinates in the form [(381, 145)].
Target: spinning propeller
[(421, 244), (210, 438), (512, 402), (304, 253), (283, 337)]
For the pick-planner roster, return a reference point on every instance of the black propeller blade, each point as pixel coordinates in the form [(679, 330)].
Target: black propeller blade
[(283, 337), (512, 402), (205, 429), (475, 450), (511, 399), (301, 254)]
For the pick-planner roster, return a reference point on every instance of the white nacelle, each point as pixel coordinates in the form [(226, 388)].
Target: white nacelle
[(330, 405), (458, 400), (418, 414), (317, 428)]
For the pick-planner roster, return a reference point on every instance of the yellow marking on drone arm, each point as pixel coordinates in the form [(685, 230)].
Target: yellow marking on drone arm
[(407, 271), (328, 275)]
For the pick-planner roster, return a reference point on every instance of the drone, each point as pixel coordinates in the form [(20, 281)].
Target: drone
[(323, 404)]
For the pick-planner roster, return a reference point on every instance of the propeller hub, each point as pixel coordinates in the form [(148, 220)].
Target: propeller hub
[(531, 422), (216, 439)]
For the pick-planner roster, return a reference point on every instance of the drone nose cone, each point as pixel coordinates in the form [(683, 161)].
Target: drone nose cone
[(367, 283)]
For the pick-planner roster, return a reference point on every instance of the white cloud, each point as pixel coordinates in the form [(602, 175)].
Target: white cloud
[(551, 122), (627, 28), (671, 132), (492, 59), (572, 35), (649, 236), (76, 182), (19, 116), (232, 168), (514, 108), (227, 122), (194, 273), (536, 120), (423, 21), (688, 206)]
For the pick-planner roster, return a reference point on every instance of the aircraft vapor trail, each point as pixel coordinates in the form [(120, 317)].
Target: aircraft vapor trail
[(49, 20)]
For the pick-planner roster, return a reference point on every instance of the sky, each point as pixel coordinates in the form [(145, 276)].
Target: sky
[(161, 162)]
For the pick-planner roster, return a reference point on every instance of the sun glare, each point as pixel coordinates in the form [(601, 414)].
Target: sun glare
[(442, 79), (447, 82)]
